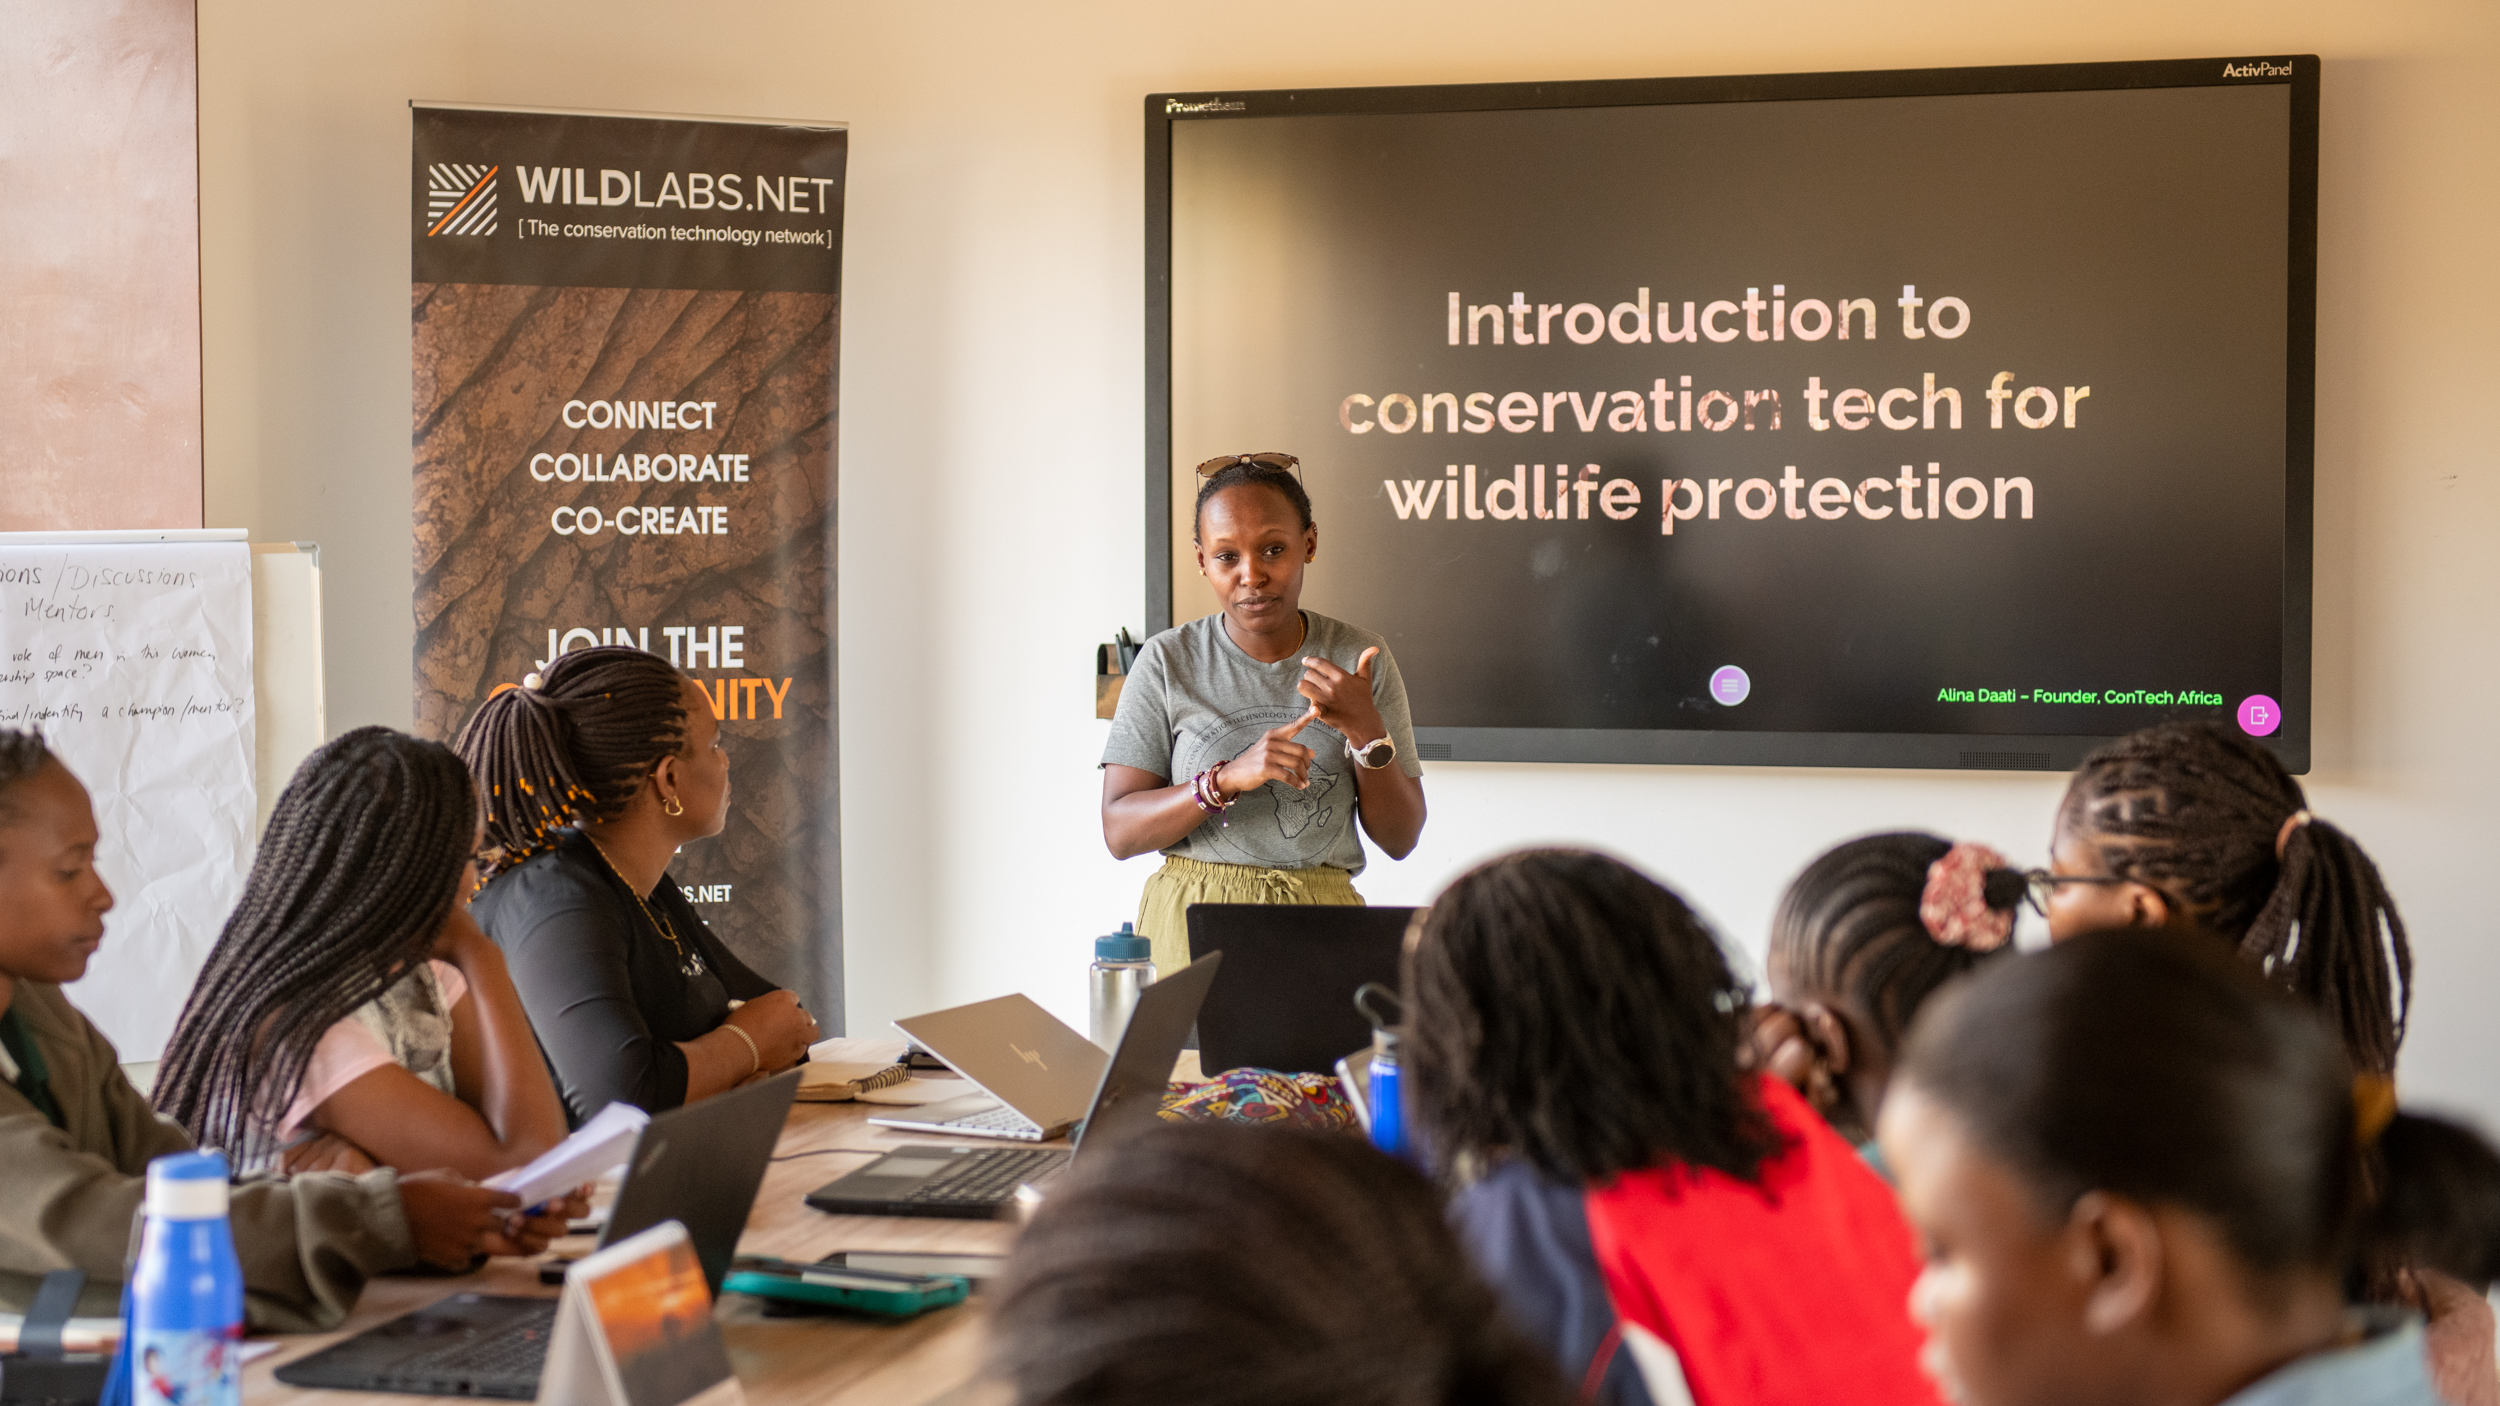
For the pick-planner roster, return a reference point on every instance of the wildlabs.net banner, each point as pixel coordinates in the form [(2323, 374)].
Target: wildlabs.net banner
[(624, 427)]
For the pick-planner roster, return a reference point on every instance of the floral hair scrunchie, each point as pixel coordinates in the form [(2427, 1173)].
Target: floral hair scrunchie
[(1954, 906)]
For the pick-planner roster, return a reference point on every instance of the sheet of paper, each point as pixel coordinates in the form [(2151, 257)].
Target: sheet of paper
[(595, 1149), (135, 663), (911, 1093)]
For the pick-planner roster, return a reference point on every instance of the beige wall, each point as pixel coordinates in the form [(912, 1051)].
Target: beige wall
[(100, 273), (992, 436)]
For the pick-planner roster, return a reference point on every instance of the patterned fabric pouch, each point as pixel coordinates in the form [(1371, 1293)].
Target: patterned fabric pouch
[(1263, 1096)]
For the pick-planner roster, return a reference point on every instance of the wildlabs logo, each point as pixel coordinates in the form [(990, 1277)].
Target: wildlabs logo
[(460, 199)]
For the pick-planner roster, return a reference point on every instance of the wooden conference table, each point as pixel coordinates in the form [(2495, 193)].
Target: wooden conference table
[(931, 1360)]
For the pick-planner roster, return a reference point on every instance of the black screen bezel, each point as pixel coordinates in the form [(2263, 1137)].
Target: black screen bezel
[(1952, 751)]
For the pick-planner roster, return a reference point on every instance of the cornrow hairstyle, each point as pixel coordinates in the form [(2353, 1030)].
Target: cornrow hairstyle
[(574, 749), (348, 892), (1224, 1265), (22, 754), (2169, 1073), (2194, 809), (1849, 927), (1237, 474), (1566, 1009)]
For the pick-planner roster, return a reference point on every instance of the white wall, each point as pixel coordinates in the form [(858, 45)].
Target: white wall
[(992, 440)]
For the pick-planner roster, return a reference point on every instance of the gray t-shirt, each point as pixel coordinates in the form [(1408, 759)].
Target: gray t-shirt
[(1194, 699)]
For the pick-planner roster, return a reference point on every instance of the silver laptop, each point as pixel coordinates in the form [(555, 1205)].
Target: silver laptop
[(1036, 1075)]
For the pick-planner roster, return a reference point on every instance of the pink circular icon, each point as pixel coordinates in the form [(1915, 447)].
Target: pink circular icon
[(1729, 685), (2260, 715)]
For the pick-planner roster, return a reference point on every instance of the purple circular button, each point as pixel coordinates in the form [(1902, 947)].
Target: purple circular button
[(2260, 715), (1729, 686)]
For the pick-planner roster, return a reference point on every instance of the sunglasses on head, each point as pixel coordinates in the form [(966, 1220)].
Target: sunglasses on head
[(1269, 460)]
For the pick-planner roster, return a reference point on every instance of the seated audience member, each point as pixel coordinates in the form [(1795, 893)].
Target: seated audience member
[(376, 1011), (2195, 828), (2142, 1176), (76, 1138), (1863, 936), (1661, 1221), (1224, 1265), (594, 776)]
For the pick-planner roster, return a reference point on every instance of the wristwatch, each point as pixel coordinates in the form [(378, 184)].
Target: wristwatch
[(1374, 757)]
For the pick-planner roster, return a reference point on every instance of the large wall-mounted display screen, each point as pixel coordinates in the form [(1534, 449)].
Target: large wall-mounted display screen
[(1934, 418)]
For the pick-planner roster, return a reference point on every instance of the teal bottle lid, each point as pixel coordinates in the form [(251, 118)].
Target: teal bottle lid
[(1126, 945)]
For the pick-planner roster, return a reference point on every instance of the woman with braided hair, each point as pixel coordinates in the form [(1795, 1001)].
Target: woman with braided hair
[(1862, 937), (351, 1010), (2192, 827), (594, 775), (76, 1137)]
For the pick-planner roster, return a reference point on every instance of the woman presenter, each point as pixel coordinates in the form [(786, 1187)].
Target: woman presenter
[(1249, 741)]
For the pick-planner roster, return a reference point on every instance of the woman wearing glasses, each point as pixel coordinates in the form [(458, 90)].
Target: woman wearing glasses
[(2195, 828), (1250, 741)]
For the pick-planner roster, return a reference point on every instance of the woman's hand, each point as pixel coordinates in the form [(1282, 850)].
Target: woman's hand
[(1342, 700), (451, 1219), (780, 1029), (1274, 757), (524, 1234)]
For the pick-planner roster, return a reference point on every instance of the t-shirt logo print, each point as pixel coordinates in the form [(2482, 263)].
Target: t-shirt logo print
[(1297, 811), (1290, 810)]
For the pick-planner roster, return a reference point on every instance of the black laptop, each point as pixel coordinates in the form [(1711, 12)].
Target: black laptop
[(964, 1183), (700, 1165), (1286, 998)]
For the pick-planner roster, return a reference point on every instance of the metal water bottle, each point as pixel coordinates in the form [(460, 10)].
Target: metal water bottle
[(186, 1298), (1123, 966)]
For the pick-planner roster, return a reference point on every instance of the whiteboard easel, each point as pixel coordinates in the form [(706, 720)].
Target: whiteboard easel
[(283, 709)]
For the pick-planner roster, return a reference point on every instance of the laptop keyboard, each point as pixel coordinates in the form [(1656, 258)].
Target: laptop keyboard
[(984, 1178), (1001, 1119), (518, 1352)]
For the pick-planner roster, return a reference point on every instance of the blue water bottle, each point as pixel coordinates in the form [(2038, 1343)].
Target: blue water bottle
[(186, 1299), (1385, 1095)]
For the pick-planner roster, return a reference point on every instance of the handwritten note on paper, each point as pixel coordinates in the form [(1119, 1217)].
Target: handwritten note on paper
[(135, 663)]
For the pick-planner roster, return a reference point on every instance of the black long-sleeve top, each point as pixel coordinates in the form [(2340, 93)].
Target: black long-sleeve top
[(608, 995)]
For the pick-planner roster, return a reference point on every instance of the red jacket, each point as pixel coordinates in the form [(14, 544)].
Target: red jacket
[(1792, 1292)]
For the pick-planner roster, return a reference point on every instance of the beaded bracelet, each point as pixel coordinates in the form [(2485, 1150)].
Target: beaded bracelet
[(1210, 798)]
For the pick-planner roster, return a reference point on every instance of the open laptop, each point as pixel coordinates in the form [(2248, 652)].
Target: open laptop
[(700, 1165), (972, 1184), (1036, 1075), (1286, 999)]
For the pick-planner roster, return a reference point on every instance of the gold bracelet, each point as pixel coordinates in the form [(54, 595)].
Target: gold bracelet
[(752, 1052)]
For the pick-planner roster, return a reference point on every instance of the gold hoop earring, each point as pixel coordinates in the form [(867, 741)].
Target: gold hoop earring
[(671, 807)]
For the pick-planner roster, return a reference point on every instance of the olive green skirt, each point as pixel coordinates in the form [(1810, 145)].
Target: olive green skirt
[(1162, 910)]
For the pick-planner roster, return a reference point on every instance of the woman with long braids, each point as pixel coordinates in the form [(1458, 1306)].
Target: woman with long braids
[(350, 993), (2193, 828), (1249, 742), (1668, 1226), (76, 1137), (594, 775)]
